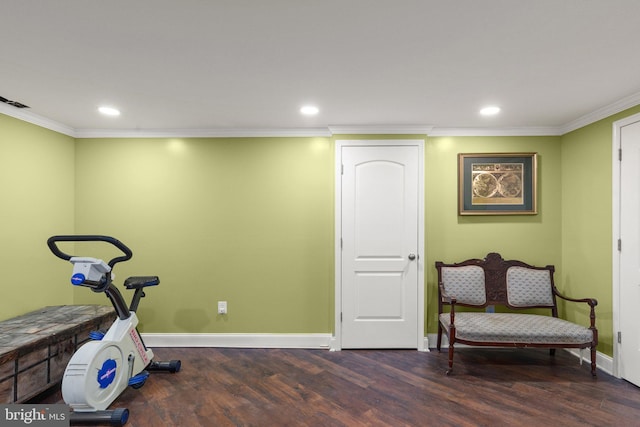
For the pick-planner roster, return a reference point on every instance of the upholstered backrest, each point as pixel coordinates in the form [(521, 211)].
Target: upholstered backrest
[(465, 283), (529, 287)]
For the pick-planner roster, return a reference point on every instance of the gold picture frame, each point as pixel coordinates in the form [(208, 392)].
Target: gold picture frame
[(497, 184)]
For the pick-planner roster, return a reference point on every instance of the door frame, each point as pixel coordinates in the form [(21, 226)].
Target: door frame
[(616, 224), (336, 341)]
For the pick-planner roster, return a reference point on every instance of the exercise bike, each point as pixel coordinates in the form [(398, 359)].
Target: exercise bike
[(103, 368)]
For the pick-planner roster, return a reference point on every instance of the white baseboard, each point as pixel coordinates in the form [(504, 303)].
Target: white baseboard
[(312, 341), (320, 341), (425, 345), (603, 362)]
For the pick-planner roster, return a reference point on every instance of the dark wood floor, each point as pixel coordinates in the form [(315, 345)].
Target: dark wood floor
[(293, 387)]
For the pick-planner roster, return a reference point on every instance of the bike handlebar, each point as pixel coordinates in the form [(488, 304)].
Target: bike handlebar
[(51, 242)]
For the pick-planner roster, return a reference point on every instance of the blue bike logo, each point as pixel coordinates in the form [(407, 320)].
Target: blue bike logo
[(77, 279), (107, 373)]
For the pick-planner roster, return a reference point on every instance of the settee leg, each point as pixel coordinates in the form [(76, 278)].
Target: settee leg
[(450, 359), (593, 361), (439, 341)]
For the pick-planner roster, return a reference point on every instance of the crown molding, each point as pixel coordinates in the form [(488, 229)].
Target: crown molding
[(29, 117), (380, 130), (201, 133), (515, 131), (587, 119), (601, 113)]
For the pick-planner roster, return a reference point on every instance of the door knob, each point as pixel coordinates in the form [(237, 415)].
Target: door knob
[(412, 257)]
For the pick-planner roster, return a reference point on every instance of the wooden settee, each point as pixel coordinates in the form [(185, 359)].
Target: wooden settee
[(515, 285)]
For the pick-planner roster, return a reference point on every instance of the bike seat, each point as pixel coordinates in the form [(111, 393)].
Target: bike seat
[(138, 282)]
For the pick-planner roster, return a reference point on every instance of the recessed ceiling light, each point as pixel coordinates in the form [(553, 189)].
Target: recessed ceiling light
[(309, 110), (109, 111), (490, 111)]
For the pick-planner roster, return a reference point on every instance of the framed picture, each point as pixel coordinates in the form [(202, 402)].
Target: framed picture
[(497, 184)]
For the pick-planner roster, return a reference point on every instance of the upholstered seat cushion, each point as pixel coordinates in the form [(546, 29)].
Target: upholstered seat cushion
[(516, 328)]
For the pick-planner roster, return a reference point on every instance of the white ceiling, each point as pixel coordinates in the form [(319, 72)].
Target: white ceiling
[(249, 65)]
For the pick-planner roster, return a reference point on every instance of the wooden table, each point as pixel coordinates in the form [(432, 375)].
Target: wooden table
[(36, 347)]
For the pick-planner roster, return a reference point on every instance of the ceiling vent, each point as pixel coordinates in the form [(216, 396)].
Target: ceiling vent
[(14, 103)]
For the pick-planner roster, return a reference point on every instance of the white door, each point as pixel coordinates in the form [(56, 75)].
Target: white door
[(380, 242), (629, 346)]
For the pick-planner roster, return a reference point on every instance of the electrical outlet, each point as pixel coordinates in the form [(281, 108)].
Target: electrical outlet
[(222, 307)]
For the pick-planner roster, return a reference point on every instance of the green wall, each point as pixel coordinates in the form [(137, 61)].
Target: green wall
[(453, 238), (247, 221), (587, 220), (251, 221), (36, 199)]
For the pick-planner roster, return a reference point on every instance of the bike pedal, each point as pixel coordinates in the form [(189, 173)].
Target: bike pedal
[(96, 335), (138, 381)]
